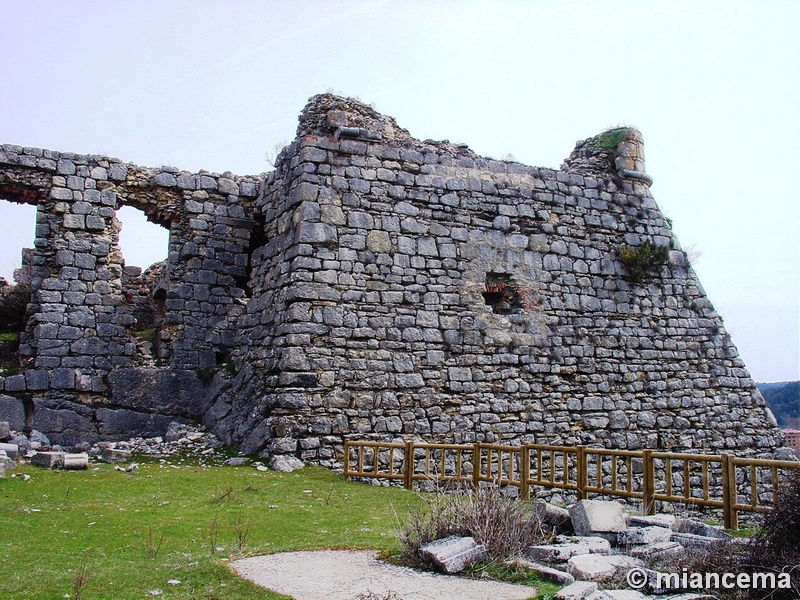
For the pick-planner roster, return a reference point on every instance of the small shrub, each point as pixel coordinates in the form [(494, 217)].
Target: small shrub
[(610, 139), (644, 262), (775, 548), (506, 526)]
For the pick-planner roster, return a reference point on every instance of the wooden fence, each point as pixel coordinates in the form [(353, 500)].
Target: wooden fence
[(725, 482)]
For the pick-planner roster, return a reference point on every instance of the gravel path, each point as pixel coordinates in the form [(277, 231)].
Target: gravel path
[(345, 574)]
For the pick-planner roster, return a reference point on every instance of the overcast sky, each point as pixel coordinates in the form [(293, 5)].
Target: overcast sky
[(713, 86)]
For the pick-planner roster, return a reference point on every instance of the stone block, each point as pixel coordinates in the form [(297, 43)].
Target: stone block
[(5, 431), (10, 450), (660, 551), (285, 464), (75, 462), (170, 392), (552, 515), (573, 546), (595, 567), (48, 460), (112, 455), (700, 528), (691, 541), (6, 463), (577, 591), (660, 520), (644, 535), (123, 424), (597, 516), (453, 554), (549, 573)]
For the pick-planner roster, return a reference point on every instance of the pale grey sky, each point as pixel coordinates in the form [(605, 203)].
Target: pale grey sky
[(713, 86)]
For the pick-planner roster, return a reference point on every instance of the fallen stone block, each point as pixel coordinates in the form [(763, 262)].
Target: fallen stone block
[(285, 464), (644, 535), (618, 595), (577, 591), (6, 463), (660, 551), (691, 541), (699, 528), (660, 520), (11, 450), (75, 462), (567, 548), (590, 517), (595, 567), (112, 455), (555, 575), (48, 460), (453, 554), (552, 515)]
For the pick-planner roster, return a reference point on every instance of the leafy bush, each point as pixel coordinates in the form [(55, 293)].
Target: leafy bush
[(610, 139)]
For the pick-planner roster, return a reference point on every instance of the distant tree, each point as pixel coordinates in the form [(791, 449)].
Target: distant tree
[(784, 401)]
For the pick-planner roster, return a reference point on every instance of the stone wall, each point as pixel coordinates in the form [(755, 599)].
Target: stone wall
[(375, 285)]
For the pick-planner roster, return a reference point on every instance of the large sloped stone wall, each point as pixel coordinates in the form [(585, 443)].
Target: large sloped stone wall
[(375, 285)]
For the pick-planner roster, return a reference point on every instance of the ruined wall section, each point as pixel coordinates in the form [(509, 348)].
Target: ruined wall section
[(419, 290), (81, 378)]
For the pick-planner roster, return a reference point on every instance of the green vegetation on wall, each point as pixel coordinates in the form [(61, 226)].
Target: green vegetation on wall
[(644, 262)]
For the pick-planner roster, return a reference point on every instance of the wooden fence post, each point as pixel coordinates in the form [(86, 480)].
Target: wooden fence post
[(525, 471), (476, 465), (649, 483), (730, 515), (346, 459), (583, 472), (408, 466)]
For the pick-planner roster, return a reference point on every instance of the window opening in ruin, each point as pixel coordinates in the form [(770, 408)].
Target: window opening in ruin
[(143, 243), (144, 248), (17, 230), (501, 294)]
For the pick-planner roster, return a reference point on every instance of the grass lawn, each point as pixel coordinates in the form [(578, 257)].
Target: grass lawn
[(176, 520)]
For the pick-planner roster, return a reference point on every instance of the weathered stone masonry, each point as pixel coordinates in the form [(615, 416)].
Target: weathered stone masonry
[(374, 285)]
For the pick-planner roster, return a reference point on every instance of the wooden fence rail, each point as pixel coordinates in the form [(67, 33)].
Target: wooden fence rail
[(725, 481)]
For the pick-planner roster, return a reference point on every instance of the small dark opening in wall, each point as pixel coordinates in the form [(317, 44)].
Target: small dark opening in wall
[(501, 294)]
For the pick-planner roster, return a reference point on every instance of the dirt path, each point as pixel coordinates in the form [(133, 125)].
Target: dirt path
[(346, 574)]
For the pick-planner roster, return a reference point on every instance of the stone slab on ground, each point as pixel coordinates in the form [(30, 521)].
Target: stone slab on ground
[(6, 463), (644, 535), (659, 520), (659, 551), (549, 573), (345, 574), (597, 516), (285, 464), (618, 595), (577, 591), (595, 567), (48, 460), (552, 515), (112, 455), (691, 541), (11, 450), (567, 548), (75, 462), (453, 554), (699, 528)]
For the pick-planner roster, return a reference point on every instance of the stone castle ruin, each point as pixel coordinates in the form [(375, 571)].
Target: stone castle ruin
[(372, 286)]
